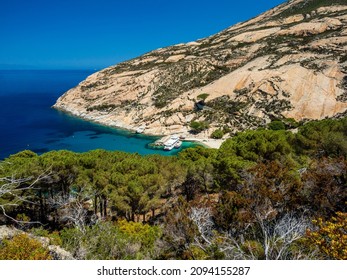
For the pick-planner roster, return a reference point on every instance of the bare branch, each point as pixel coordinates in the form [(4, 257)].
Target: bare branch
[(17, 191), (274, 240), (278, 236), (202, 217), (73, 210)]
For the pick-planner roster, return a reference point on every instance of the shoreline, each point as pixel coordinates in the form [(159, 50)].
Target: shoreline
[(206, 142)]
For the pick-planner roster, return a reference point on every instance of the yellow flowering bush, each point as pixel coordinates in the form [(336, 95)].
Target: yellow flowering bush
[(22, 247), (331, 236)]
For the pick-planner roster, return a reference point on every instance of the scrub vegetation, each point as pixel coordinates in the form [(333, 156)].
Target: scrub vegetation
[(265, 194)]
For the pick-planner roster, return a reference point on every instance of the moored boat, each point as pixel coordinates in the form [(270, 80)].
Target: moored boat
[(178, 144), (171, 143), (168, 147)]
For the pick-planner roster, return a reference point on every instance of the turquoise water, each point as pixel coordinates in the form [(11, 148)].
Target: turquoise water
[(27, 120)]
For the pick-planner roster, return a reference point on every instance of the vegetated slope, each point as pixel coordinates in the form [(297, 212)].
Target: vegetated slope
[(289, 62), (263, 195)]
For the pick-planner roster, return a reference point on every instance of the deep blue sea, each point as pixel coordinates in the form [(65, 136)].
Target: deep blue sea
[(27, 120)]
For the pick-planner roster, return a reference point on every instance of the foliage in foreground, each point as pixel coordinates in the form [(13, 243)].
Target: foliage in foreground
[(254, 198), (331, 237), (107, 241), (22, 247)]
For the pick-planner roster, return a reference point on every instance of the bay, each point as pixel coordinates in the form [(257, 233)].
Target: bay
[(27, 120)]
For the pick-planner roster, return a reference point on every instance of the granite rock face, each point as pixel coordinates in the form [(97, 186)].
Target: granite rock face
[(290, 62)]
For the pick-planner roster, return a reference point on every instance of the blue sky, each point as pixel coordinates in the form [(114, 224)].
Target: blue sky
[(86, 34)]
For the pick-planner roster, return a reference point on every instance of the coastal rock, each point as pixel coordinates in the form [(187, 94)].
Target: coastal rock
[(289, 62)]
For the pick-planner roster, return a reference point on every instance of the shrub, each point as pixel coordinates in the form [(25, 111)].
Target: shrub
[(276, 125), (226, 130), (108, 241), (143, 234), (54, 237), (217, 134), (198, 126), (203, 96), (291, 123), (331, 237), (22, 247)]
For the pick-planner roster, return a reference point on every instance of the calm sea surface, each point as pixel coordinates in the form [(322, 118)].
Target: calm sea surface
[(27, 120)]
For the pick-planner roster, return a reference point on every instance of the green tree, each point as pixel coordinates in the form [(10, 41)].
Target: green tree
[(260, 145), (217, 134), (198, 127), (322, 138), (276, 125)]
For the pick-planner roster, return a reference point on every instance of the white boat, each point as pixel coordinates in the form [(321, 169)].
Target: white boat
[(178, 144), (171, 143), (168, 147)]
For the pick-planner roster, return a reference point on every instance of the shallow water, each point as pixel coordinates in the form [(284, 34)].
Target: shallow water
[(27, 120)]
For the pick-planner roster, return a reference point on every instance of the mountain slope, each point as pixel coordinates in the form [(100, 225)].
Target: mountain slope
[(289, 62)]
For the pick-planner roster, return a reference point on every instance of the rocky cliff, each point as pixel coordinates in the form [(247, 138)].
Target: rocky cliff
[(290, 62)]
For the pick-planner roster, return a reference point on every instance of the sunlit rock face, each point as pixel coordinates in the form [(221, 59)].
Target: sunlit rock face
[(289, 62)]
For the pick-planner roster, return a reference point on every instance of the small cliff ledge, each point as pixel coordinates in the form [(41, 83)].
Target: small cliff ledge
[(289, 62)]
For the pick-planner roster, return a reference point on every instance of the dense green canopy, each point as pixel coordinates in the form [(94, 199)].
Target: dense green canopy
[(98, 201)]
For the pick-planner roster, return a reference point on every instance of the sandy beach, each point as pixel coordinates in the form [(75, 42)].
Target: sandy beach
[(210, 143)]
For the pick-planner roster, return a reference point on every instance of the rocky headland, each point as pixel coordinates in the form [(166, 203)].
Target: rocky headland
[(288, 63)]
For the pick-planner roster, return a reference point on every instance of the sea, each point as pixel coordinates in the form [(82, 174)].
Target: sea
[(28, 121)]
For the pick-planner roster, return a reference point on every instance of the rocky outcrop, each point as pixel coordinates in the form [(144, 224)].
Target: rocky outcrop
[(289, 62), (7, 232), (56, 252)]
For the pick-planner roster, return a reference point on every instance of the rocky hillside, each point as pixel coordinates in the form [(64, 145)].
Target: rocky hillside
[(290, 62)]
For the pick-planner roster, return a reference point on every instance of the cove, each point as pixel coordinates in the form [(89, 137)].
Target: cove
[(27, 120)]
